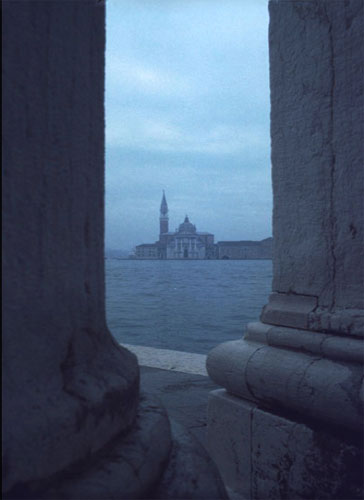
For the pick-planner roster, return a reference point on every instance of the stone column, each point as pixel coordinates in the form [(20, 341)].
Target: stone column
[(74, 426), (289, 421), (62, 368)]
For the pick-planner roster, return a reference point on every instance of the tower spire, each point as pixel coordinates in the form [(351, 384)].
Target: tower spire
[(163, 217), (164, 206)]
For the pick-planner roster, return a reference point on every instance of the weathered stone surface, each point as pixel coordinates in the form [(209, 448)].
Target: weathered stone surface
[(67, 387), (301, 311), (264, 455), (305, 364), (311, 385), (190, 473), (316, 55), (229, 438), (128, 468), (183, 395), (347, 349), (341, 321), (146, 462), (294, 460), (288, 310)]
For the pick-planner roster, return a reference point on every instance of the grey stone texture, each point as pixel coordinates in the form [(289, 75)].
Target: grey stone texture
[(289, 310), (316, 55), (157, 459), (334, 347), (264, 455), (229, 437), (191, 474), (310, 385), (73, 423), (295, 382), (302, 311), (295, 460), (62, 369), (128, 468), (184, 395)]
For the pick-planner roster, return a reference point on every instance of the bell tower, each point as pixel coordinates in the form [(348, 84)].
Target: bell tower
[(163, 217)]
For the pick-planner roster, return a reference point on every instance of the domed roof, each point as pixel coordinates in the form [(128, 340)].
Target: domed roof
[(186, 227)]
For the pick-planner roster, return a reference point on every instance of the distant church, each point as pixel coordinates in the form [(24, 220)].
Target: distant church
[(184, 243)]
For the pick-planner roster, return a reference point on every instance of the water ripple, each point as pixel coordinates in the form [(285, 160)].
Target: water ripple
[(186, 306)]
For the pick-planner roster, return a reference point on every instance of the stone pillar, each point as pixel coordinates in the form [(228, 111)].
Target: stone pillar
[(289, 421), (74, 426), (62, 369)]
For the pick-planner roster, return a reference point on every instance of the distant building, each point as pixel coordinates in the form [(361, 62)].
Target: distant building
[(184, 243), (188, 243), (245, 249), (146, 251)]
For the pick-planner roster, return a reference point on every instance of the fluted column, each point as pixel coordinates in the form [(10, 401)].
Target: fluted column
[(288, 423)]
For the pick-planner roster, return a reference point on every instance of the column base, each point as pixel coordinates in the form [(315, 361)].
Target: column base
[(261, 454), (155, 459)]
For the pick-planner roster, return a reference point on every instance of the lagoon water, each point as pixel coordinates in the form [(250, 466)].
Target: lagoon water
[(184, 305)]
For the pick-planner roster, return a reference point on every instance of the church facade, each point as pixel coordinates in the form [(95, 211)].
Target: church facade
[(184, 243), (188, 243)]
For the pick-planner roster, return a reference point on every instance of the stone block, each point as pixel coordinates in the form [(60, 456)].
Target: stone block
[(294, 460), (334, 347), (229, 424), (190, 472), (288, 310), (264, 455), (311, 385)]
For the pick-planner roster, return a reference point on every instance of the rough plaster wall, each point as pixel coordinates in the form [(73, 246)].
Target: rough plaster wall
[(68, 388), (316, 72)]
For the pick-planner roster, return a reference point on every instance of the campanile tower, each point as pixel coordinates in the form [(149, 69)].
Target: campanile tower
[(163, 217)]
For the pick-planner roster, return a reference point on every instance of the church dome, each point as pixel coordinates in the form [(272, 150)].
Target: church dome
[(186, 227)]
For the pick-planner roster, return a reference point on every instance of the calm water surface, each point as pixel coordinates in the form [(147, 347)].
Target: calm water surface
[(184, 305)]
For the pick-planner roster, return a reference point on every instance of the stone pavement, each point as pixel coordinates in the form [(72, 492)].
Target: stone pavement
[(180, 381), (184, 396)]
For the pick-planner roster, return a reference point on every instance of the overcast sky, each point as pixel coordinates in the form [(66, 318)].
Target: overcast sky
[(187, 110)]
